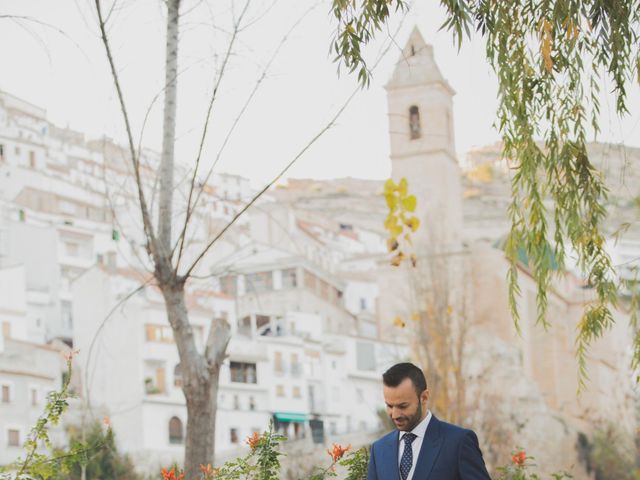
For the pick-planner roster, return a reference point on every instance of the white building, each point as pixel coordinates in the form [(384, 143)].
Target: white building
[(28, 372)]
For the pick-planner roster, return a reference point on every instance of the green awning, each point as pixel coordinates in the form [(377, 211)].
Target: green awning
[(290, 417)]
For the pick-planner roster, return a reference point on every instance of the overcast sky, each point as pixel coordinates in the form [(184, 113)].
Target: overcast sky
[(67, 74)]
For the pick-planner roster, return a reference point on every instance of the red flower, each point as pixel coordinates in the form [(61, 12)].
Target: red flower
[(171, 474), (519, 458), (253, 440), (338, 452)]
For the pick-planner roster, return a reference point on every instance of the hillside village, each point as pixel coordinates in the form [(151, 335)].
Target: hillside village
[(304, 279)]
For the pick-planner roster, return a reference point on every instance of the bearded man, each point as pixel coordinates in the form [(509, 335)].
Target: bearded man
[(422, 447)]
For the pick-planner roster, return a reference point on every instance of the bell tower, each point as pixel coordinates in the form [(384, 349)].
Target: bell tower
[(420, 103)]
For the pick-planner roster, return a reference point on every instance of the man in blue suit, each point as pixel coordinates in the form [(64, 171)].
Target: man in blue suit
[(422, 447)]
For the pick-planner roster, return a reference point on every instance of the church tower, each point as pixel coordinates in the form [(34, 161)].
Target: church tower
[(422, 144)]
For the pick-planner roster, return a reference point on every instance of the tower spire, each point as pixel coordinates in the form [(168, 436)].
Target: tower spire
[(416, 65)]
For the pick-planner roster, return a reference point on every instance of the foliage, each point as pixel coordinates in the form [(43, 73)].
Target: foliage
[(263, 462), (400, 222), (105, 462), (550, 57), (38, 463), (520, 466), (609, 454)]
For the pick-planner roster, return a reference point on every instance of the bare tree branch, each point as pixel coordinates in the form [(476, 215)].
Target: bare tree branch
[(191, 208), (329, 124), (273, 182), (146, 218), (219, 78)]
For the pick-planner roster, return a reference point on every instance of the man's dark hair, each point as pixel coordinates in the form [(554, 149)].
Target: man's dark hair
[(400, 371)]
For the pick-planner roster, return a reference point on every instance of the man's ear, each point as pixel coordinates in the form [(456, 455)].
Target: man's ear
[(424, 396)]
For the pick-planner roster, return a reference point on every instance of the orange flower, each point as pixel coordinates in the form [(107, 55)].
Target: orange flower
[(519, 458), (338, 452), (253, 440), (171, 474), (208, 471), (106, 421)]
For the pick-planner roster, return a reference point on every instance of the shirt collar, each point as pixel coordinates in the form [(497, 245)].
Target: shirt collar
[(421, 429)]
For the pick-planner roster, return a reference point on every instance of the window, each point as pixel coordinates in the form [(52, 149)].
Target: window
[(280, 390), (6, 394), (414, 122), (177, 376), (289, 278), (1, 151), (366, 356), (242, 372), (34, 396), (296, 392), (363, 304), (158, 333), (252, 405), (13, 437), (296, 367), (236, 402), (32, 159), (17, 150), (176, 434), (277, 363), (6, 329), (66, 314), (259, 282), (233, 435)]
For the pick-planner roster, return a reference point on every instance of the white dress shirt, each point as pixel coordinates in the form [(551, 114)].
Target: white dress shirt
[(419, 431)]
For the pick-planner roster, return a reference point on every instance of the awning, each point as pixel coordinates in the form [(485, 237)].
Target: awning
[(290, 417)]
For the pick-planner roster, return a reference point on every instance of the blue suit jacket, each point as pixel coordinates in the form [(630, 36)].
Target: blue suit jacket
[(448, 452)]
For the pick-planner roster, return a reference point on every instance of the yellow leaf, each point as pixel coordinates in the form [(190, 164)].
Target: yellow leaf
[(389, 186), (415, 317), (449, 309), (392, 200), (409, 203), (407, 238), (390, 222), (545, 48), (398, 322), (546, 54), (397, 259), (413, 223), (414, 259), (403, 187), (392, 244), (396, 230)]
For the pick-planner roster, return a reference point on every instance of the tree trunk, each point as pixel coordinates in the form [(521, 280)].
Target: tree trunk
[(165, 207), (201, 426), (200, 373)]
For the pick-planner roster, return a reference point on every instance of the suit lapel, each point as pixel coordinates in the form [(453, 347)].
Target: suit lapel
[(428, 451), (390, 457)]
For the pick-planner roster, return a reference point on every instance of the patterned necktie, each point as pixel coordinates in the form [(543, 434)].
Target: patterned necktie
[(406, 462)]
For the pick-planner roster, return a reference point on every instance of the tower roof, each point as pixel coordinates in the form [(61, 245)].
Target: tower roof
[(416, 65)]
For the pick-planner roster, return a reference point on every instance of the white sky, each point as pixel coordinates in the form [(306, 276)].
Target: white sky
[(68, 75)]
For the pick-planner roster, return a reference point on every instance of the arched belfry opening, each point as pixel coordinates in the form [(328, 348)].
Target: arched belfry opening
[(413, 50), (414, 122)]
